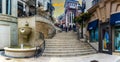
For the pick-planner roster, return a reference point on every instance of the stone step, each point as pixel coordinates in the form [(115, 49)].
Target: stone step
[(61, 40), (63, 43), (68, 48), (67, 54), (76, 46), (67, 51), (66, 43)]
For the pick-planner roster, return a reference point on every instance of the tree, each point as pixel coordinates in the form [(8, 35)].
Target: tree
[(83, 17)]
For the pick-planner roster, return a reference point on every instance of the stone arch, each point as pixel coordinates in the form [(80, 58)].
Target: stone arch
[(114, 7), (118, 8)]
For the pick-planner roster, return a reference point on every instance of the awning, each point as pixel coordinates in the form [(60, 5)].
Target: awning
[(115, 19), (93, 25)]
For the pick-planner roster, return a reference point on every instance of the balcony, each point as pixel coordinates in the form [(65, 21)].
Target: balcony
[(72, 7)]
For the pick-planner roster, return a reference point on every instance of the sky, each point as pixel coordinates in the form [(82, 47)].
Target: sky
[(59, 7)]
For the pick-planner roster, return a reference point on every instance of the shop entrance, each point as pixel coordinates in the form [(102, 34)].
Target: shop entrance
[(117, 38), (105, 44)]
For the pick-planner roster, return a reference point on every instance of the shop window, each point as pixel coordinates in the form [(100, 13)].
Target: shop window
[(0, 6), (8, 7), (105, 39), (94, 35), (117, 38)]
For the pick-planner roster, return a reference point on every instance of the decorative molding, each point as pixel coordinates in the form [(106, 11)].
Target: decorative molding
[(8, 18)]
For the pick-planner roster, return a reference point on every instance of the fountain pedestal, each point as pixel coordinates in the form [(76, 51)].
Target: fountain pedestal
[(24, 41), (15, 52)]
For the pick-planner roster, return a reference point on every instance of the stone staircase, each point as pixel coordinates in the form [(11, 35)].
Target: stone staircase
[(66, 44)]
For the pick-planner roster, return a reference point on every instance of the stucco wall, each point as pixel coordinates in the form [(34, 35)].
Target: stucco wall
[(12, 23)]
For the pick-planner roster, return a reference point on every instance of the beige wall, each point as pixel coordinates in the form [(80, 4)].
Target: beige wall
[(104, 9), (42, 27)]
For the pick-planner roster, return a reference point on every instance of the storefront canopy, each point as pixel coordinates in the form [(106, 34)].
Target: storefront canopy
[(115, 19), (93, 25)]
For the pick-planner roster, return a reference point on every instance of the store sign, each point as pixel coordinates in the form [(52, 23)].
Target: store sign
[(90, 28), (117, 21)]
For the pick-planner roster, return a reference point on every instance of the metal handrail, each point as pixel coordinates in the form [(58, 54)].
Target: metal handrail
[(40, 49)]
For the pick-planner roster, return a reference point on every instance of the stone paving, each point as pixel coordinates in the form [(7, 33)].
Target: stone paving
[(100, 57)]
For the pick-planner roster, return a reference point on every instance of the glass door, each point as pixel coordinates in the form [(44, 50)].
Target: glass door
[(105, 39), (105, 43), (117, 38)]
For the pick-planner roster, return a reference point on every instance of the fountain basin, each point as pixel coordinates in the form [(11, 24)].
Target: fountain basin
[(16, 52)]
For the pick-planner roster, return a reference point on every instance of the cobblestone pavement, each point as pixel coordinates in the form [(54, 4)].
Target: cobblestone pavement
[(100, 57)]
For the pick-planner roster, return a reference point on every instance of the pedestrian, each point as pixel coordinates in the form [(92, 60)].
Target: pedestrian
[(66, 28)]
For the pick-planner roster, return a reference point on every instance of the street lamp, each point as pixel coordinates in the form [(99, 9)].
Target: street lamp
[(83, 9)]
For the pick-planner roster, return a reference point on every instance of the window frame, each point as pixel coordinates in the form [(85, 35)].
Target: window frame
[(7, 7), (0, 6)]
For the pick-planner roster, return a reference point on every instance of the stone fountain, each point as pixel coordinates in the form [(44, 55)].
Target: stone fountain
[(24, 49)]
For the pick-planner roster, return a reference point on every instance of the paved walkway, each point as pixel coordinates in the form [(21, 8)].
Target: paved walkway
[(100, 57)]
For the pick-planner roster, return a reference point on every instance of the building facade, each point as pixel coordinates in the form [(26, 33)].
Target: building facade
[(15, 13), (72, 9), (31, 7), (103, 26), (88, 4), (8, 23)]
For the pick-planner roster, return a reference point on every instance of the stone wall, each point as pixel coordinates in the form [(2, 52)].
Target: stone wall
[(42, 27)]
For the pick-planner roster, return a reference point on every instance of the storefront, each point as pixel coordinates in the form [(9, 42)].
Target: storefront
[(105, 43), (115, 24), (93, 31)]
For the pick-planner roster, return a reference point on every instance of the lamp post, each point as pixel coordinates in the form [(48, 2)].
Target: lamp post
[(83, 9), (35, 6), (82, 23)]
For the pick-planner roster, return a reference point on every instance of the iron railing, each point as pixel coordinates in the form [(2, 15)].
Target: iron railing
[(40, 48)]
